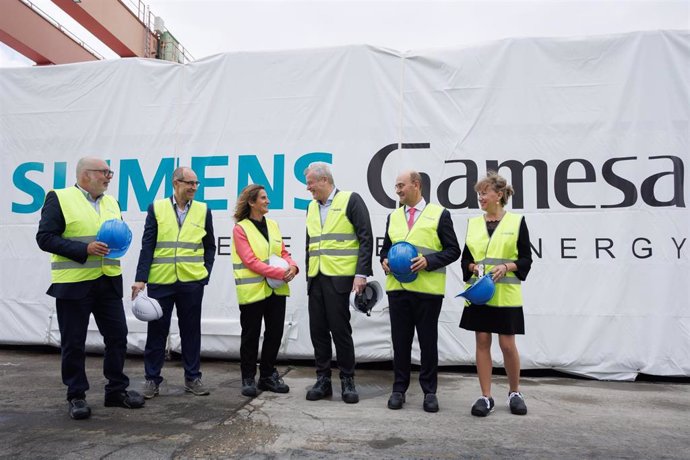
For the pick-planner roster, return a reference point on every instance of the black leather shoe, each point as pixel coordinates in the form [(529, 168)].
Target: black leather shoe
[(249, 387), (78, 409), (273, 383), (126, 399), (396, 400), (321, 389), (349, 392), (430, 403)]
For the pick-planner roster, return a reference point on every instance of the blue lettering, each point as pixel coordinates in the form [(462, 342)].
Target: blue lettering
[(60, 175), (301, 164), (131, 172), (199, 165), (29, 187), (249, 168)]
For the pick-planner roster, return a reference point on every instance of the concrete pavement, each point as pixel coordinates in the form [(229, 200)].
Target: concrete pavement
[(567, 418)]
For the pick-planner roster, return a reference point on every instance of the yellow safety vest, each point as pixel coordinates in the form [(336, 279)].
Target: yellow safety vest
[(424, 237), (500, 248), (333, 249), (179, 253), (252, 287), (81, 224)]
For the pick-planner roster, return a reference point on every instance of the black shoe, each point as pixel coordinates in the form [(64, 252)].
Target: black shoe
[(249, 387), (483, 406), (273, 383), (430, 403), (396, 400), (517, 403), (349, 392), (126, 399), (321, 389), (78, 409)]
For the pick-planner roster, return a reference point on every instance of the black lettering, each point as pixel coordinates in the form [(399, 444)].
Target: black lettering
[(564, 248), (678, 247), (646, 250), (536, 251), (516, 179), (224, 243), (561, 181), (647, 188), (376, 188), (628, 188), (379, 245), (426, 186), (604, 248), (470, 196), (286, 241)]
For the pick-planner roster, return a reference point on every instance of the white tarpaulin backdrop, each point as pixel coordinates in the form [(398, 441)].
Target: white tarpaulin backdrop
[(593, 133)]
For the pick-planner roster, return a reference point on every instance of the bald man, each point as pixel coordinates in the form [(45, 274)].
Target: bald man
[(416, 305), (85, 283)]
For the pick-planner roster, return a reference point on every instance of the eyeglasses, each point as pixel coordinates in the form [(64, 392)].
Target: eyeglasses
[(189, 182), (106, 172)]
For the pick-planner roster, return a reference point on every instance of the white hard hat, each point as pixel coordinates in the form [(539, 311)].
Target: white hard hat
[(368, 299), (145, 308), (276, 261)]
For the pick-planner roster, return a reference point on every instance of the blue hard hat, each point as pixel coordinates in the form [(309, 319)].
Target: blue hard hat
[(481, 291), (400, 257), (117, 235)]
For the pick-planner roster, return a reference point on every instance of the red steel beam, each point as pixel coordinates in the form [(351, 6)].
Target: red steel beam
[(32, 35), (113, 24)]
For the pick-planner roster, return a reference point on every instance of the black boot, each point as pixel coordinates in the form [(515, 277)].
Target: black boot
[(349, 392), (321, 389)]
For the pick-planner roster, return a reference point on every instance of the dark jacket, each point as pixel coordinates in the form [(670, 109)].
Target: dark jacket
[(358, 214), (449, 254), (49, 238), (148, 245)]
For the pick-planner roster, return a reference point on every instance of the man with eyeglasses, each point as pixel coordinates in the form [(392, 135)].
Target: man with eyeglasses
[(177, 253), (415, 304), (84, 283)]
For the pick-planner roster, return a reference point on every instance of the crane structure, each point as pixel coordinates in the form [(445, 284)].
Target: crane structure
[(130, 31)]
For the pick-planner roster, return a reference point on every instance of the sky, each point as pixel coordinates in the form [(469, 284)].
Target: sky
[(208, 27)]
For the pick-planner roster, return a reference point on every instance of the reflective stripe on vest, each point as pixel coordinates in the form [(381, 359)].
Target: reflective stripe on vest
[(179, 253), (424, 237), (81, 224), (333, 249), (252, 287), (500, 248)]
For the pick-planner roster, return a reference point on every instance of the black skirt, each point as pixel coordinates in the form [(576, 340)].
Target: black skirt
[(497, 320)]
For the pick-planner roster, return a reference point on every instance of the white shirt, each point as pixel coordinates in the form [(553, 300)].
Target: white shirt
[(95, 202), (181, 213), (323, 208), (419, 207)]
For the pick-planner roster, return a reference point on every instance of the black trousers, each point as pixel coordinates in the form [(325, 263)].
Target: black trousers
[(272, 312), (73, 319), (329, 316), (409, 311), (187, 300)]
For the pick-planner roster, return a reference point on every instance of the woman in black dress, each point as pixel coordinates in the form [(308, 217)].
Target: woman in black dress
[(497, 242)]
